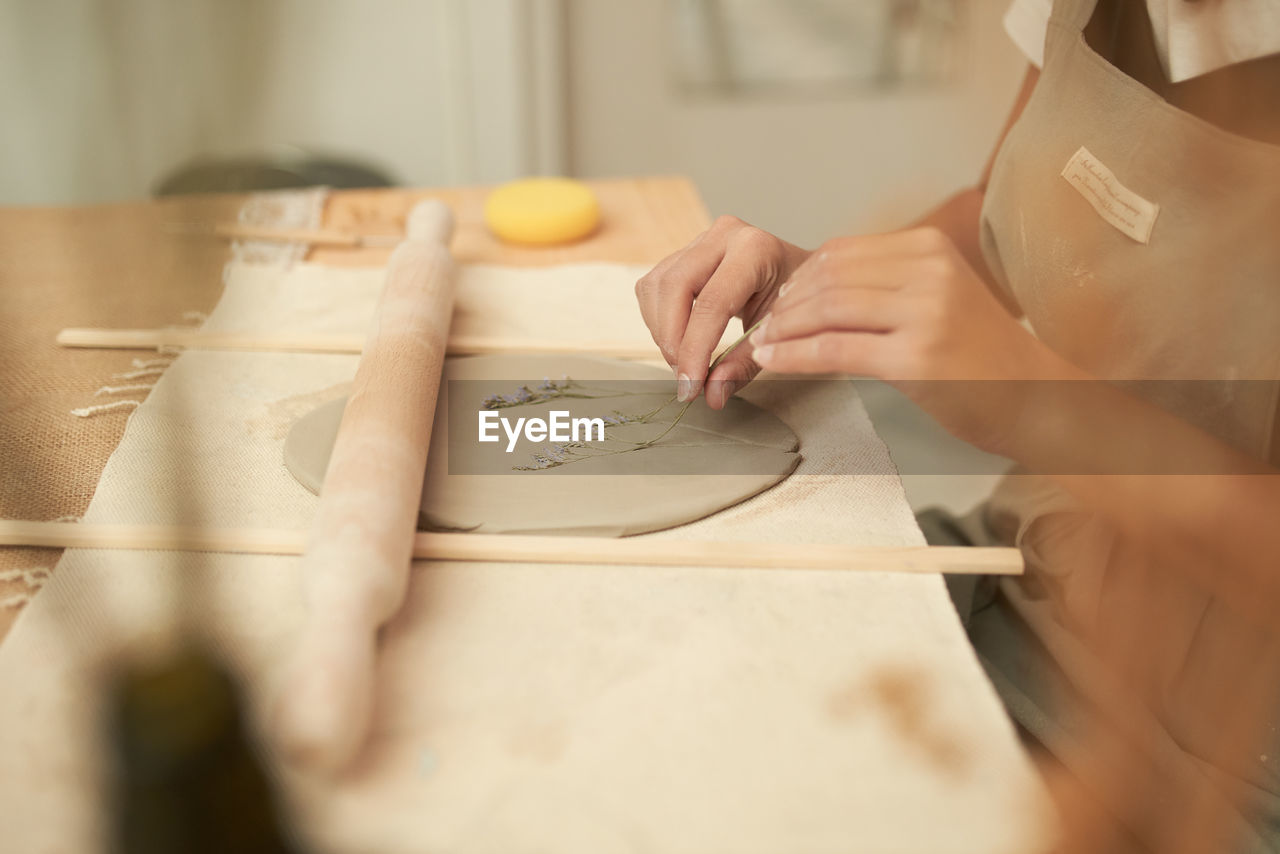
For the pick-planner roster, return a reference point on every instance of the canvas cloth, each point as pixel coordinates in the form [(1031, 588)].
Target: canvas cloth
[(522, 707)]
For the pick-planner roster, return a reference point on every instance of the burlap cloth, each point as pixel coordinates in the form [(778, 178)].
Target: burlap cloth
[(112, 265)]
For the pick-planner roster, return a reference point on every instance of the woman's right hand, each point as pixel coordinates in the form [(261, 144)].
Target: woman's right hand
[(731, 270)]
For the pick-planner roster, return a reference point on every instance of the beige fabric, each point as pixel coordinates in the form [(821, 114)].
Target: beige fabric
[(1198, 302), (523, 708), (578, 302)]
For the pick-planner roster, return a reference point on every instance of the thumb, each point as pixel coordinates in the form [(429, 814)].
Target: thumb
[(730, 377)]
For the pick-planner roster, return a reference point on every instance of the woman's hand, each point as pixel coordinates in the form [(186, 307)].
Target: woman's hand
[(905, 307), (731, 270)]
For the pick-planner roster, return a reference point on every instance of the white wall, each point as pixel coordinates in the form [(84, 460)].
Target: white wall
[(99, 98), (102, 97), (804, 167)]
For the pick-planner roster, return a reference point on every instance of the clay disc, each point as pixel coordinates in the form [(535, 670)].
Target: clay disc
[(709, 461)]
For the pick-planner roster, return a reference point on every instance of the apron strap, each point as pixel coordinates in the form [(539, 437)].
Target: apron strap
[(1072, 14)]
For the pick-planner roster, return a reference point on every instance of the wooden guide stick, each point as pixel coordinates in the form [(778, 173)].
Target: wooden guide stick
[(356, 566), (503, 548), (459, 345), (313, 236)]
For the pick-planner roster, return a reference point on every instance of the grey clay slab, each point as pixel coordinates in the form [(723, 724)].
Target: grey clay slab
[(709, 461)]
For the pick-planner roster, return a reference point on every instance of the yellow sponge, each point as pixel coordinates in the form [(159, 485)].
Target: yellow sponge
[(542, 211)]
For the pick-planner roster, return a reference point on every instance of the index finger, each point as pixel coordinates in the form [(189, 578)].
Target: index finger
[(738, 278), (667, 293)]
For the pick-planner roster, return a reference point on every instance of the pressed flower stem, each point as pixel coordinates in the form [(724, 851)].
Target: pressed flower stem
[(714, 364), (680, 415), (545, 398)]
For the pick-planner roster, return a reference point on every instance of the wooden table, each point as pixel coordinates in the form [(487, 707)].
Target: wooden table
[(117, 266), (121, 266)]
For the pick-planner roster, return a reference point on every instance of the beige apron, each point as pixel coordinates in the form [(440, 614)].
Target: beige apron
[(1190, 291)]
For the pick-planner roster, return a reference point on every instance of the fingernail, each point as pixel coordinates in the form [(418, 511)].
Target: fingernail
[(757, 337), (763, 354), (684, 389), (786, 286)]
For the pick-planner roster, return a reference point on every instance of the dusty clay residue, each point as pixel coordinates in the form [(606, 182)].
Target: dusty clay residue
[(795, 488), (904, 695), (277, 418)]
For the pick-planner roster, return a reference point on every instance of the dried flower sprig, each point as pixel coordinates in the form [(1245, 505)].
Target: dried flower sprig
[(555, 455), (571, 452), (558, 454), (547, 390), (714, 364), (563, 454)]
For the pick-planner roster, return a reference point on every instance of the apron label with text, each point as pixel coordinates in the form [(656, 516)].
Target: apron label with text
[(1114, 202)]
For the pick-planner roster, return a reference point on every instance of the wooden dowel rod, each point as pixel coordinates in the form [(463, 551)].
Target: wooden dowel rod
[(459, 345), (311, 236), (289, 235), (643, 551), (81, 535), (194, 339), (501, 548)]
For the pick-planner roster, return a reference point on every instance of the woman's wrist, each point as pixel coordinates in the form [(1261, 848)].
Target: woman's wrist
[(1040, 400)]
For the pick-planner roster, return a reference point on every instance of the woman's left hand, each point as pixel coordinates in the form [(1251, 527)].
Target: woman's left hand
[(907, 308)]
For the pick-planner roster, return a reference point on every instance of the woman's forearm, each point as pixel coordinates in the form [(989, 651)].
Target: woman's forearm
[(958, 217), (1204, 507)]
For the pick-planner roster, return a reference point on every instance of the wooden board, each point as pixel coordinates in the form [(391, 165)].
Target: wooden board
[(642, 221)]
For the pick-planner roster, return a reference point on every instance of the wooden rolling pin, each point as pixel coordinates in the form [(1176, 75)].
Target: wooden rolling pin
[(356, 567)]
